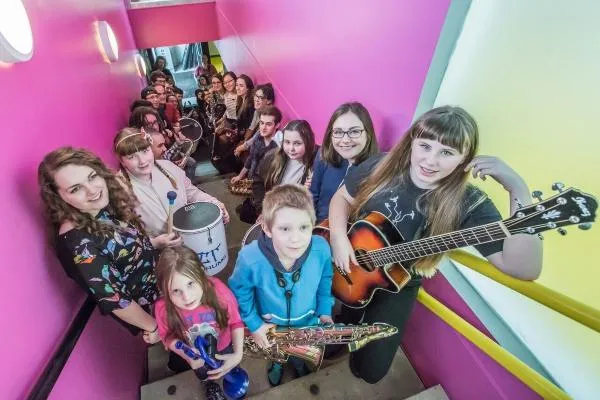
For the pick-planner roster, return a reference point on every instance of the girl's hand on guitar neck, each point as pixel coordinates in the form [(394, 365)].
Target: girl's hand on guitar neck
[(343, 253)]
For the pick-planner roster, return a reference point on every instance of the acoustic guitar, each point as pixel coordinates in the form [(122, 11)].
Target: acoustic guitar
[(380, 249)]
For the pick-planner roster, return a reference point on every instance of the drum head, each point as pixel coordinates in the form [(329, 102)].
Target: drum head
[(252, 234), (197, 216), (190, 128)]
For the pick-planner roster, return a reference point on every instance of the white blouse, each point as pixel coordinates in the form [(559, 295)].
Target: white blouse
[(152, 196)]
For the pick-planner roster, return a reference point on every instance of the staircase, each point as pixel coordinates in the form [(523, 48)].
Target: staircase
[(333, 381)]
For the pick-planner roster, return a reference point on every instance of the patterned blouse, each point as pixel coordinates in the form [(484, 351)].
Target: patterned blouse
[(116, 270)]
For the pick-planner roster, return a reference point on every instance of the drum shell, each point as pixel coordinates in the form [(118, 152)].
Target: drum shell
[(209, 241), (191, 129)]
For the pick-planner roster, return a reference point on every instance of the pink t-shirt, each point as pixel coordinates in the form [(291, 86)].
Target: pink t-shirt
[(202, 319)]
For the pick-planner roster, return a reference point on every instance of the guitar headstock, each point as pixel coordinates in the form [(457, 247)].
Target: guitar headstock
[(568, 207)]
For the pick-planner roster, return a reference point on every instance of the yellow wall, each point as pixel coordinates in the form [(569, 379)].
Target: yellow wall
[(529, 71)]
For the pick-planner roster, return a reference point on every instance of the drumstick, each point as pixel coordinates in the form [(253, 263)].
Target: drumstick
[(171, 195)]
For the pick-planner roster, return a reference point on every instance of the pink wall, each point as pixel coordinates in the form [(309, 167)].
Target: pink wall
[(440, 355), (65, 94), (319, 54), (170, 25), (115, 371)]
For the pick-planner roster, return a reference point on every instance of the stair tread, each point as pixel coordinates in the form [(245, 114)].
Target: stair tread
[(337, 382), (433, 393), (334, 382)]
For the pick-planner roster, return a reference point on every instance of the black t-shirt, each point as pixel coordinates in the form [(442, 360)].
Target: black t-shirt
[(398, 203)]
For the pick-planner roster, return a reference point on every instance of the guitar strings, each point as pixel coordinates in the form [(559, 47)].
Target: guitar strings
[(486, 232)]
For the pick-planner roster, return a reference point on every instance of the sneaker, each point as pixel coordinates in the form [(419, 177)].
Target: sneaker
[(213, 391), (275, 374)]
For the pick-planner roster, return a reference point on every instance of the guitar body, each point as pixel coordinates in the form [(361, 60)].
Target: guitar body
[(373, 232)]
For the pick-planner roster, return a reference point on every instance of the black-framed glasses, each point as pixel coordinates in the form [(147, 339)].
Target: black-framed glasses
[(353, 133), (259, 97)]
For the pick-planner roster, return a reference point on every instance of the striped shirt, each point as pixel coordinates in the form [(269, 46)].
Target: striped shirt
[(231, 104)]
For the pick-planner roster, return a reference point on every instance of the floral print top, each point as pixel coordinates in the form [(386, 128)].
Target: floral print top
[(116, 270)]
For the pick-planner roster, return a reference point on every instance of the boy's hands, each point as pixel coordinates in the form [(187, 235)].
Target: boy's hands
[(230, 361), (260, 336), (326, 320)]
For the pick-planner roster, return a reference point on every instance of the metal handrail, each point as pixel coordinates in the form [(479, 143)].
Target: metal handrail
[(512, 364), (558, 302)]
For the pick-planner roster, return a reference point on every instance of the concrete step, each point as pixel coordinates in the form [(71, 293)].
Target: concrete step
[(187, 386), (332, 381), (433, 393), (337, 383)]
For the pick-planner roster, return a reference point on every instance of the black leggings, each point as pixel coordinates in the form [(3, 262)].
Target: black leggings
[(373, 361)]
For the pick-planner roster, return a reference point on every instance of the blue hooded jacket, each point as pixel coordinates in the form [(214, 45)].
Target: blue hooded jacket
[(261, 299)]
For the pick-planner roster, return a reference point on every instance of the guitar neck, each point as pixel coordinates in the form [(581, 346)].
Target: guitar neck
[(439, 244)]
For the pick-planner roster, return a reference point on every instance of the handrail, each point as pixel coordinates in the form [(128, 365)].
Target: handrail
[(558, 302), (45, 383), (512, 364)]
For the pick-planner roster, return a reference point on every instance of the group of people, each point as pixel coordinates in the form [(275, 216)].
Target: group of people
[(109, 229)]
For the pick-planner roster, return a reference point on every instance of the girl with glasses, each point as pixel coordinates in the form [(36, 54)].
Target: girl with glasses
[(349, 140)]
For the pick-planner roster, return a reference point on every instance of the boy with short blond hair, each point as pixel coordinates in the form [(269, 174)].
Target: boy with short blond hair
[(284, 277)]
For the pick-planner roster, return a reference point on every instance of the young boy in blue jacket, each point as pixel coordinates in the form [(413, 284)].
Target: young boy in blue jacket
[(284, 277)]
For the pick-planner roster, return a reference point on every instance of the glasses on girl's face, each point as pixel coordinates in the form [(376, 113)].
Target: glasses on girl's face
[(352, 133)]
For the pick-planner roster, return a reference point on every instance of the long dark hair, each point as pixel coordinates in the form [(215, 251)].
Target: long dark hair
[(185, 261), (451, 126), (279, 162), (245, 103), (121, 204), (328, 153)]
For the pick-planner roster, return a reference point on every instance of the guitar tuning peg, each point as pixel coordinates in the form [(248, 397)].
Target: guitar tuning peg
[(537, 194), (562, 231), (558, 186), (585, 226)]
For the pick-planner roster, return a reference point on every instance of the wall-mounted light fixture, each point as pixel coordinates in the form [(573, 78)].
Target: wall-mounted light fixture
[(16, 38), (107, 42), (140, 65)]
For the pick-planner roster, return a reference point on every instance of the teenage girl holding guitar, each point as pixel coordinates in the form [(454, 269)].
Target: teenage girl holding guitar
[(421, 187)]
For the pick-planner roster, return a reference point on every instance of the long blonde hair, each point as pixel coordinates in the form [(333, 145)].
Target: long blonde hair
[(185, 261), (453, 127), (131, 140)]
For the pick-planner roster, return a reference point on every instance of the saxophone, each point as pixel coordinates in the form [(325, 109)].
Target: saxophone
[(308, 343)]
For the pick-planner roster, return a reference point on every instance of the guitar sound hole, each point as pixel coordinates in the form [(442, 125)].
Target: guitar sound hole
[(365, 263)]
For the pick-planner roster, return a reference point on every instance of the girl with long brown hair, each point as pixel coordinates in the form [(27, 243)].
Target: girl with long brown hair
[(98, 237), (421, 187), (194, 304), (290, 163)]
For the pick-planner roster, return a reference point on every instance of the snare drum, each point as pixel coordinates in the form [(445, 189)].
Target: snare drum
[(191, 129), (200, 224), (252, 234)]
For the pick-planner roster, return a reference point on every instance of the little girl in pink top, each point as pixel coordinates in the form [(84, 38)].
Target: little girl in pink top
[(194, 304)]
